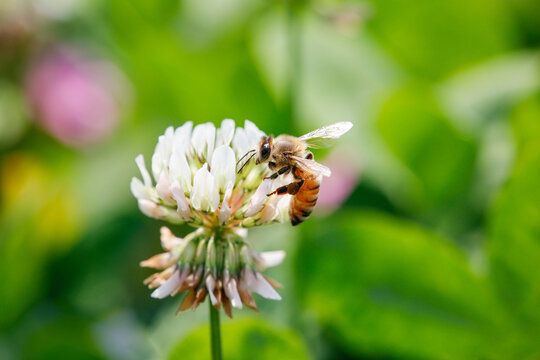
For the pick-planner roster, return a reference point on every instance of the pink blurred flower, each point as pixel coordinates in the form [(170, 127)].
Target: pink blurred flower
[(76, 100), (337, 188)]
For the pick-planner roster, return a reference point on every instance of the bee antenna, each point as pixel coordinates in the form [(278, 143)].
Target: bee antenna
[(252, 152), (246, 154)]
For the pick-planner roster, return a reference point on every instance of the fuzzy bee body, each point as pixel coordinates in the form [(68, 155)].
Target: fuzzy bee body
[(303, 202), (288, 154)]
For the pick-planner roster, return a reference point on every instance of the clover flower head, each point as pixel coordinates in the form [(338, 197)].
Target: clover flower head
[(195, 181)]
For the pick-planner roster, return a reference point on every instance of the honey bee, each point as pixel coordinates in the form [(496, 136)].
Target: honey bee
[(288, 154)]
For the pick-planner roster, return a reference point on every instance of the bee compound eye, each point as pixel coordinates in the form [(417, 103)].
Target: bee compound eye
[(265, 151)]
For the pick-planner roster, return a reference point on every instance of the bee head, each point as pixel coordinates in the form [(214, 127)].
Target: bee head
[(265, 148)]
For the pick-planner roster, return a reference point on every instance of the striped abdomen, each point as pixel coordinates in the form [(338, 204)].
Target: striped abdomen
[(303, 202)]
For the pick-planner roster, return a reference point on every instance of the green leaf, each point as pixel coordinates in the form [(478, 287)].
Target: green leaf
[(179, 75), (420, 135), (13, 122), (525, 120), (382, 286), (434, 38), (480, 95), (243, 339), (514, 239), (64, 338)]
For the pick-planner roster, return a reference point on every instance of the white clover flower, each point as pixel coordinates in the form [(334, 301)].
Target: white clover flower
[(195, 182)]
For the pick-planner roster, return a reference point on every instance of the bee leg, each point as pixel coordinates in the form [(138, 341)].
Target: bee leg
[(291, 188), (309, 155), (281, 171)]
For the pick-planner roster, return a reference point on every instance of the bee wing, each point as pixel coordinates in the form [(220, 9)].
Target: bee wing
[(311, 166), (322, 137)]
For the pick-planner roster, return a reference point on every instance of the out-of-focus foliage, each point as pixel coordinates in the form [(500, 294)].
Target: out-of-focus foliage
[(422, 137), (390, 285), (39, 219), (434, 254), (514, 247), (243, 340), (435, 38)]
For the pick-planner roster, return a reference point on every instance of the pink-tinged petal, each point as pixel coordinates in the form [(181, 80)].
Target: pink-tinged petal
[(225, 209), (150, 208), (163, 188), (268, 213), (168, 240), (184, 209), (156, 211)]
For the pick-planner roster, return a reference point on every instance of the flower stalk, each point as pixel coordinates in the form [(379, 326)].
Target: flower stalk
[(215, 333)]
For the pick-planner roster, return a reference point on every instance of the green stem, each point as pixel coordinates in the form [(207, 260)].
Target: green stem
[(215, 333)]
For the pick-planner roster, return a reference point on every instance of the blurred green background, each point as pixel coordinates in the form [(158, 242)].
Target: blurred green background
[(430, 251)]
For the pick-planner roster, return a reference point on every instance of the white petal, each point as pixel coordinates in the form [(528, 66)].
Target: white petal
[(179, 170), (157, 164), (224, 167), (240, 143), (198, 140), (182, 202), (211, 285), (232, 293), (242, 232), (169, 132), (162, 153), (138, 189), (282, 213), (163, 188), (211, 140), (253, 134), (203, 140), (182, 138), (225, 132), (258, 199), (142, 168), (205, 194), (168, 286), (263, 288), (272, 258), (225, 209)]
